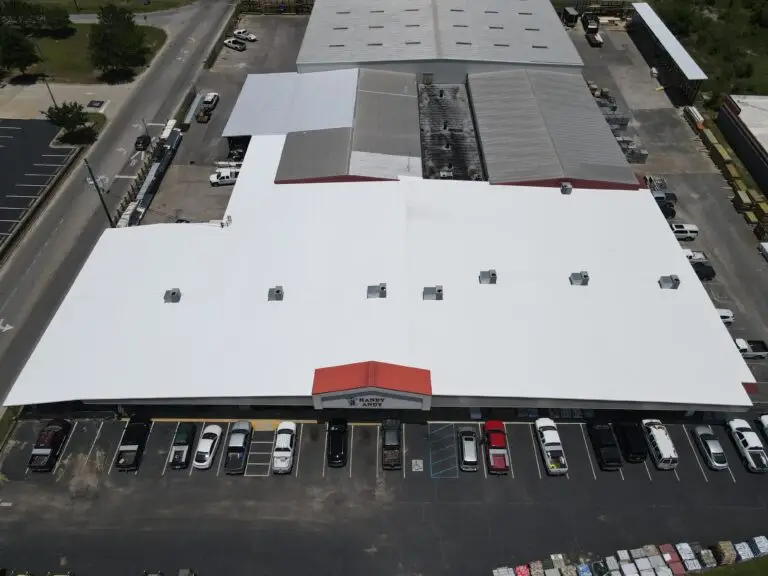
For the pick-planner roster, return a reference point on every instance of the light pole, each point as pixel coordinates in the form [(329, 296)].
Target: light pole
[(76, 6), (45, 77), (101, 196), (146, 132)]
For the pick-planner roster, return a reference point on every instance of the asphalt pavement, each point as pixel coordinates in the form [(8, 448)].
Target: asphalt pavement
[(36, 277)]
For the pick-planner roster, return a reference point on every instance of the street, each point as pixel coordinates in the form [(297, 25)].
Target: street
[(38, 274)]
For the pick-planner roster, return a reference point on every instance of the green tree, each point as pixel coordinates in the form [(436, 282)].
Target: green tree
[(116, 42), (57, 20), (70, 116), (16, 50), (759, 16), (24, 15), (679, 18)]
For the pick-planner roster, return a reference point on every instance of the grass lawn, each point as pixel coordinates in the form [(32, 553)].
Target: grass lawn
[(91, 6), (758, 567), (67, 60)]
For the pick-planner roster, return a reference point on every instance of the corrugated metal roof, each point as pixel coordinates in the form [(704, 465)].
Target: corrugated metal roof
[(516, 31), (284, 103), (315, 154), (540, 125), (671, 44)]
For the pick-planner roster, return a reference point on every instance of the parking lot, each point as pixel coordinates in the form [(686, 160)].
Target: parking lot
[(29, 163)]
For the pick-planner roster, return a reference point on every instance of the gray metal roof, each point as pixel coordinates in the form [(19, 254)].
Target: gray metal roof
[(359, 31), (316, 154), (541, 125), (680, 55), (291, 102)]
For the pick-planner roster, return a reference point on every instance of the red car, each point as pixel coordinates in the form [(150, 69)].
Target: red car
[(496, 453)]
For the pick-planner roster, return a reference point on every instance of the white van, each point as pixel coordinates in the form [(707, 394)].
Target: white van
[(468, 450), (660, 445), (726, 316), (684, 231)]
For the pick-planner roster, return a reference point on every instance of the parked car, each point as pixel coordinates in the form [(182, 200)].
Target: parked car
[(282, 454), (710, 447), (142, 142), (203, 116), (238, 446), (181, 448), (684, 231), (632, 441), (496, 451), (552, 451), (234, 44), (391, 450), (749, 445), (468, 454), (605, 446), (49, 445), (764, 424), (132, 445), (210, 101), (660, 445), (207, 446), (726, 315), (336, 450), (243, 34), (224, 176), (704, 271)]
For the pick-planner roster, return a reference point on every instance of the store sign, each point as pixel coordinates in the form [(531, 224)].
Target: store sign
[(370, 402), (375, 402)]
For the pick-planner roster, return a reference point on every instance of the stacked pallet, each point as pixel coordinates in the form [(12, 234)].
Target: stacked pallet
[(759, 545)]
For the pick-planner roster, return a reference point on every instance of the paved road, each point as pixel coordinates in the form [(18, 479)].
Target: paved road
[(36, 278)]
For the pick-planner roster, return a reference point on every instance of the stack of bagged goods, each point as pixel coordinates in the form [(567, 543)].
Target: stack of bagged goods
[(613, 565), (537, 568), (503, 571), (583, 570), (629, 569), (672, 559), (570, 570), (522, 570), (759, 545), (623, 556), (559, 562), (724, 552), (743, 552), (704, 556)]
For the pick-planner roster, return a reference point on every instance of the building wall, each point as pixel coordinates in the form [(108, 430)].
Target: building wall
[(747, 148), (445, 72), (339, 178)]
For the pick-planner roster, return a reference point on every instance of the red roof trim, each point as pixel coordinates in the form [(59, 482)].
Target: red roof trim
[(372, 375)]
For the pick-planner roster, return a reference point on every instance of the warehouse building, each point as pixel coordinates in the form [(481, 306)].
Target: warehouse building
[(675, 66), (440, 41), (341, 125), (542, 128), (743, 120), (401, 295)]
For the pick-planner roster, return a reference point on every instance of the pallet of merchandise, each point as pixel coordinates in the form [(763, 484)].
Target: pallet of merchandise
[(552, 572), (743, 552), (570, 570), (692, 565), (537, 569), (612, 563), (657, 561), (522, 570), (583, 569), (651, 550), (685, 551), (559, 561), (647, 573), (669, 553), (623, 556), (643, 564), (629, 569), (707, 559), (677, 568), (503, 571), (637, 553), (759, 545), (663, 571), (724, 552)]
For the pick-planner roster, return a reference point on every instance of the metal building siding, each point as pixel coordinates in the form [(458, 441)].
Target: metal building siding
[(540, 125), (315, 154)]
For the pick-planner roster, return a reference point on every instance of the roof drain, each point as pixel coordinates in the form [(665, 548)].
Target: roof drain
[(671, 282), (488, 276), (172, 296), (275, 294), (432, 292), (579, 278)]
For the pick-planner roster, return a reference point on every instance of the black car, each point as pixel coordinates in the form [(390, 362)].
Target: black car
[(49, 445), (142, 143), (632, 441), (336, 450), (181, 448), (703, 270), (668, 210), (605, 446), (132, 445)]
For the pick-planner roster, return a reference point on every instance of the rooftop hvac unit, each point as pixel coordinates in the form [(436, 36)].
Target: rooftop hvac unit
[(172, 296), (433, 292), (275, 294), (579, 278), (488, 276), (566, 188), (671, 282), (377, 290)]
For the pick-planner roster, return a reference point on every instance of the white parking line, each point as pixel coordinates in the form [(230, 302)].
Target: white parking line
[(194, 449), (351, 448), (117, 448), (647, 471), (589, 456), (10, 127), (693, 449), (676, 476), (32, 185), (93, 444), (49, 165), (21, 196), (223, 449), (298, 449), (482, 456), (325, 444), (146, 442), (535, 455), (402, 455), (378, 452), (170, 448), (64, 450), (731, 473), (509, 455), (272, 451)]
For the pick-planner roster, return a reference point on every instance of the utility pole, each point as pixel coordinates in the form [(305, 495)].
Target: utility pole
[(101, 196), (146, 132), (76, 6)]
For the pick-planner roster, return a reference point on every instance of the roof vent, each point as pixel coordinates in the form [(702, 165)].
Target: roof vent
[(172, 296), (579, 278), (566, 188), (275, 294), (488, 276), (377, 290), (671, 282), (433, 292)]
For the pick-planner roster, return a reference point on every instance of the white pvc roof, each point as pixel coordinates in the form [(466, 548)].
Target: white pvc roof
[(671, 44), (532, 335)]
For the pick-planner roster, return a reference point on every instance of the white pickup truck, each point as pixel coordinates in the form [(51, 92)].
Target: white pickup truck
[(752, 349), (224, 176), (695, 256)]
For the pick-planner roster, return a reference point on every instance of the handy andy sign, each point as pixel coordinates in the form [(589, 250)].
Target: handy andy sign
[(371, 401)]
